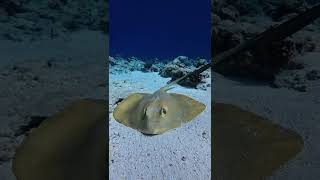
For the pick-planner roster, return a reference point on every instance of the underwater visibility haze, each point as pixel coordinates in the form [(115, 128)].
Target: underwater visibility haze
[(160, 29)]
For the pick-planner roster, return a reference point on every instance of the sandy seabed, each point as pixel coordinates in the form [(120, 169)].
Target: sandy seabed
[(182, 153)]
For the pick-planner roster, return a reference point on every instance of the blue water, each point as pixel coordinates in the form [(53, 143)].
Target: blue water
[(160, 29)]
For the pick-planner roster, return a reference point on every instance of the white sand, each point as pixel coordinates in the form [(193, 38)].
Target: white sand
[(183, 153)]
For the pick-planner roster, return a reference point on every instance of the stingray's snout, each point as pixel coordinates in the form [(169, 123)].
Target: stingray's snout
[(151, 111)]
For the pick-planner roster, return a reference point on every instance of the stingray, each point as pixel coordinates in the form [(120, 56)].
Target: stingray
[(247, 146), (159, 112), (72, 145), (69, 145)]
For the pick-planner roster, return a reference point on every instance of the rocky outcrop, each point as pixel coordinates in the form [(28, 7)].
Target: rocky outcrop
[(31, 19), (200, 62), (237, 21), (291, 79), (313, 75), (176, 69), (279, 8), (121, 65), (7, 148), (153, 66)]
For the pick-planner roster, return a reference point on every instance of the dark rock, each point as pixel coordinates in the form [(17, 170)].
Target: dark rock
[(118, 101), (156, 67), (280, 8), (287, 17), (303, 42), (12, 6), (263, 62), (183, 61), (215, 19), (112, 61), (103, 84), (249, 30), (292, 65), (35, 78), (228, 12), (7, 149), (192, 81), (54, 4), (200, 62), (247, 8), (136, 65), (176, 69), (228, 35), (291, 79), (238, 20), (152, 67), (313, 75), (49, 64), (204, 135), (71, 25), (205, 80), (121, 65), (21, 69), (147, 66), (7, 133), (183, 158), (30, 20)]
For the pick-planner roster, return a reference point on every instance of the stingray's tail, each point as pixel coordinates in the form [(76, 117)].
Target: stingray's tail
[(195, 72), (169, 86)]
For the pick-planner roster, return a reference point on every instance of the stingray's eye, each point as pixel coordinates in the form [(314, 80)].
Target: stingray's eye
[(163, 111)]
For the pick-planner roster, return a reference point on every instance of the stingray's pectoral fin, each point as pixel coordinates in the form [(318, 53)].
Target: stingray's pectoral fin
[(189, 106), (126, 108), (248, 146), (69, 145)]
